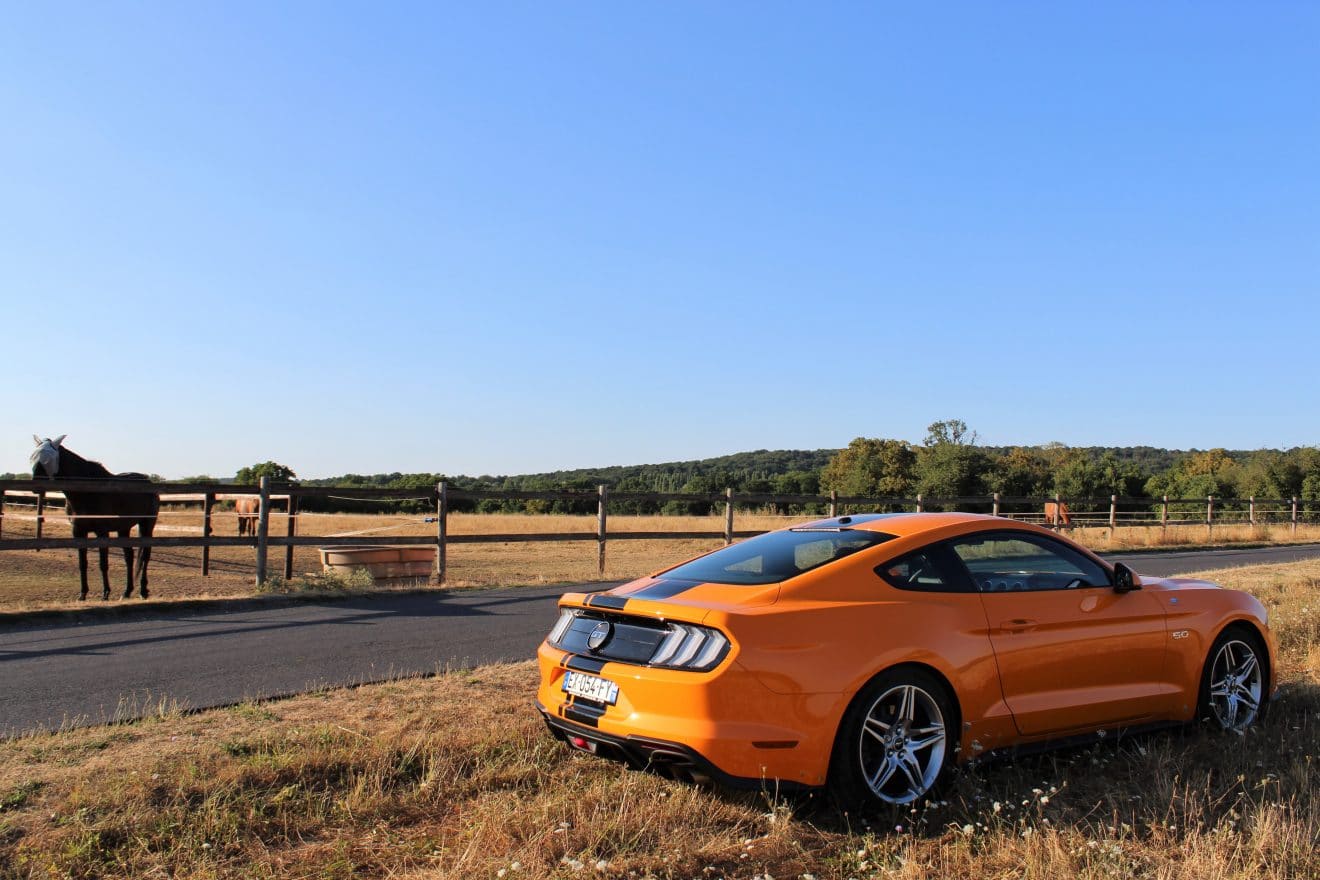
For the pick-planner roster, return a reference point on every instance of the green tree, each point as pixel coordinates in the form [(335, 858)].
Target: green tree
[(1123, 478), (1074, 474), (1022, 471), (277, 472), (871, 467), (696, 486), (950, 431), (949, 463), (1270, 474), (1200, 474), (1308, 468)]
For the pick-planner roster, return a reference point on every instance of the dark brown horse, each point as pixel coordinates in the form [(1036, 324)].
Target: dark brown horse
[(100, 513)]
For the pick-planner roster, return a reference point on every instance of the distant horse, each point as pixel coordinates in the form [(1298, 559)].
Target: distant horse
[(1056, 514), (100, 513), (247, 508)]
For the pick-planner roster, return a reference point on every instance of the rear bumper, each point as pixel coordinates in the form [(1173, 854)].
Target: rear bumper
[(724, 725), (669, 759)]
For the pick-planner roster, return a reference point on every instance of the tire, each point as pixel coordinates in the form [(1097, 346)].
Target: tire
[(893, 747), (1234, 680)]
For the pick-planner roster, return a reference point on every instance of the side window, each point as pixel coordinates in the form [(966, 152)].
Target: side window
[(921, 571), (1001, 563)]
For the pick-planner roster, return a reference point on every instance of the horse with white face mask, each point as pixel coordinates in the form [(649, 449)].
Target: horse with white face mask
[(100, 513)]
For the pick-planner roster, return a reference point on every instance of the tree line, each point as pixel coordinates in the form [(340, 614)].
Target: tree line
[(949, 462)]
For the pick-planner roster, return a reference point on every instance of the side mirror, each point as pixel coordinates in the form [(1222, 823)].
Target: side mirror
[(1125, 579)]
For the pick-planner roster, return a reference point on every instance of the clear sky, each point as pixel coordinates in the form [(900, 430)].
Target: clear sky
[(502, 238)]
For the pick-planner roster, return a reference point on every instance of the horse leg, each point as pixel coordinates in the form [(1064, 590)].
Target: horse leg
[(105, 569), (82, 571), (145, 529), (128, 565)]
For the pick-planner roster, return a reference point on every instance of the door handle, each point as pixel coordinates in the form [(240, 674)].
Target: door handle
[(1017, 624)]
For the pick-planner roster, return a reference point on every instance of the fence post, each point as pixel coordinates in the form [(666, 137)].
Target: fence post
[(834, 503), (1209, 515), (2, 513), (1294, 514), (600, 526), (920, 506), (1113, 515), (291, 531), (1251, 511), (996, 509), (728, 516), (1164, 513), (41, 513), (441, 529), (208, 503), (263, 530), (1058, 500)]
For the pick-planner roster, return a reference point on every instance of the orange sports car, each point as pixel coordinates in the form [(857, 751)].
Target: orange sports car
[(870, 653)]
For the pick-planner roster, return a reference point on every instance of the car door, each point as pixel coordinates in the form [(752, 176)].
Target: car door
[(1073, 654)]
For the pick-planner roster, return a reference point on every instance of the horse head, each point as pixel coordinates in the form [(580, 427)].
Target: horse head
[(45, 458)]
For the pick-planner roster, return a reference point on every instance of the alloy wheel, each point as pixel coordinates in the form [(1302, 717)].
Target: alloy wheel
[(1235, 685), (902, 744)]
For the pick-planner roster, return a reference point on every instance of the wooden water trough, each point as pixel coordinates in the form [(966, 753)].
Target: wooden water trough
[(387, 565)]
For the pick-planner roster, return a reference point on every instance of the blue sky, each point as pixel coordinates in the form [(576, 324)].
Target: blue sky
[(502, 238)]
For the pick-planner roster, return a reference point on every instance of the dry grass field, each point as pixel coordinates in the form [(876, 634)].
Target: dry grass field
[(48, 579), (455, 777)]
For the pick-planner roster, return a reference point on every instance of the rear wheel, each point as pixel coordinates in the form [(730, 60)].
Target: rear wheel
[(1233, 683), (894, 743)]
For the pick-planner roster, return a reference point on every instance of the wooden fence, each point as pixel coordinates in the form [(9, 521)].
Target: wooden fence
[(1110, 512)]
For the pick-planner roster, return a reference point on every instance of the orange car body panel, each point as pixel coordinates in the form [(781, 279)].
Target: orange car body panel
[(1023, 666)]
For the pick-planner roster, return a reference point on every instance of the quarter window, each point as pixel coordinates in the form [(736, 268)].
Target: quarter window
[(1000, 563), (922, 571)]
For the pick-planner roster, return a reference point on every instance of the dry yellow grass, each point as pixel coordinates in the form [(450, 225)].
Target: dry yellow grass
[(49, 579), (455, 777)]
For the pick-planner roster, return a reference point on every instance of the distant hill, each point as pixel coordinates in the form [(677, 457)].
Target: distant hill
[(1150, 459), (740, 468)]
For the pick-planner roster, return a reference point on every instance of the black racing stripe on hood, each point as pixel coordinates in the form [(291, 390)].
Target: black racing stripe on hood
[(614, 602), (665, 589)]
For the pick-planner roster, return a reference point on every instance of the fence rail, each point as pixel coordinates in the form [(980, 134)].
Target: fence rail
[(1105, 512)]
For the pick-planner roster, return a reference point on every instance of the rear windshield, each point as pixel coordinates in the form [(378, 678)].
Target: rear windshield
[(776, 556)]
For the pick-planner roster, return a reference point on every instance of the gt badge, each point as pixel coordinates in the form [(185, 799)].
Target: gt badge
[(600, 635)]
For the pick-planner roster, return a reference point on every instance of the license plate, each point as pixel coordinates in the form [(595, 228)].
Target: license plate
[(589, 687)]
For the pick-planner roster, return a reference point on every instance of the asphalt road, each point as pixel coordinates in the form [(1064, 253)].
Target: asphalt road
[(97, 670)]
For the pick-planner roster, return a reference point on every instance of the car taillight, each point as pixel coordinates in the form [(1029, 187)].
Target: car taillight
[(561, 625), (688, 646)]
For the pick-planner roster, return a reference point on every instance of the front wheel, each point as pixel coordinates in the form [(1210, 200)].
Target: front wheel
[(893, 745), (1233, 684)]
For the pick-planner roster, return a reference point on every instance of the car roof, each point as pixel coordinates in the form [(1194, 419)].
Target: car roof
[(905, 524)]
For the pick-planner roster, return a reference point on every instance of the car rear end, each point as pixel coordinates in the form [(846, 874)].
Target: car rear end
[(658, 686), (653, 674)]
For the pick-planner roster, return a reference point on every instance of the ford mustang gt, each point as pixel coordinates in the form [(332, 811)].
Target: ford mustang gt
[(868, 654)]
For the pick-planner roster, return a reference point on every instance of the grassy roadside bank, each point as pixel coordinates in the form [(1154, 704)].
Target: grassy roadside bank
[(454, 776)]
